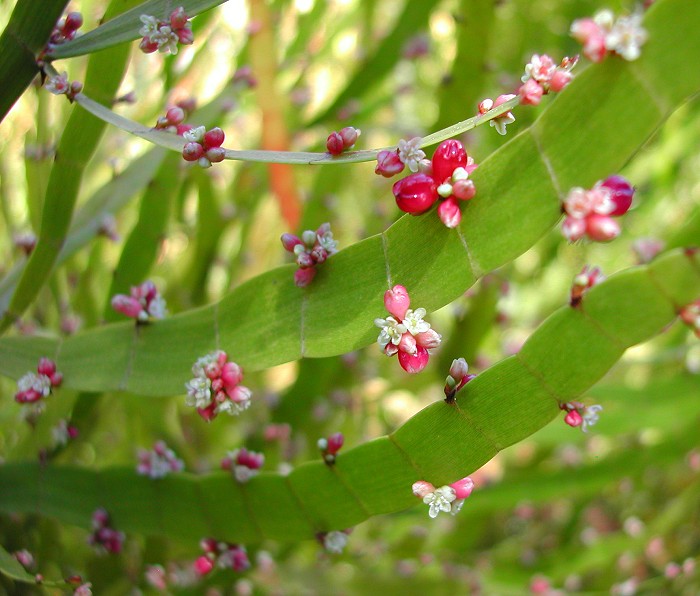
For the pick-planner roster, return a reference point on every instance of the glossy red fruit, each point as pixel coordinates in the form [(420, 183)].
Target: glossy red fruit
[(415, 193), (449, 155), (621, 193)]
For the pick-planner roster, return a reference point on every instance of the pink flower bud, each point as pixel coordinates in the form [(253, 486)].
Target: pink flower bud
[(601, 228), (319, 255), (214, 138), (530, 93), (574, 228), (416, 193), (573, 418), (459, 369), (335, 442), (231, 374), (349, 135), (178, 18), (203, 565), (305, 260), (422, 488), (464, 189), (303, 277), (181, 129), (216, 154), (589, 33), (621, 193), (46, 367), (448, 156), (147, 46), (75, 88), (463, 488), (388, 164), (335, 144), (414, 363), (192, 151), (175, 115), (429, 339), (408, 344), (397, 301), (56, 379), (559, 80), (289, 241), (127, 305), (208, 413), (450, 213), (74, 20)]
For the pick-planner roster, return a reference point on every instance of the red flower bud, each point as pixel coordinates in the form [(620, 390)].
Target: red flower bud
[(192, 151), (349, 135), (214, 138), (448, 156), (289, 241), (621, 193), (388, 164), (335, 144)]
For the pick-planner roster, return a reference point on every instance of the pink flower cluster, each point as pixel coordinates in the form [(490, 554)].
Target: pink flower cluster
[(499, 122), (173, 121), (32, 387), (243, 464), (448, 498), (590, 212), (457, 378), (338, 142), (216, 387), (66, 29), (405, 332), (583, 282), (542, 75), (163, 36), (143, 304), (159, 461), (204, 146), (221, 554), (603, 35), (59, 85), (330, 446), (312, 249), (690, 315), (104, 537), (578, 414), (447, 177)]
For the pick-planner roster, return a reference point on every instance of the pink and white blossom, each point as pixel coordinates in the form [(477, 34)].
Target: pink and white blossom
[(158, 462), (243, 464), (144, 303)]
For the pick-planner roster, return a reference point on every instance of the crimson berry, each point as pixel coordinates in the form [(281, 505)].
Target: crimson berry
[(415, 193), (449, 155)]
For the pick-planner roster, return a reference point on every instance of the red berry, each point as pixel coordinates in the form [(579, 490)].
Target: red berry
[(621, 193), (415, 193), (448, 156), (335, 144), (214, 138)]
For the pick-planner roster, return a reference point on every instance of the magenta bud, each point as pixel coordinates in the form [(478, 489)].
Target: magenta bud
[(192, 151), (621, 193), (601, 228), (414, 363), (422, 488), (429, 339), (46, 367), (450, 213), (530, 93), (573, 418), (147, 46), (231, 374), (289, 241), (319, 254), (335, 442), (349, 136), (75, 87), (181, 129), (56, 379), (178, 18), (216, 154), (203, 565), (559, 80), (127, 305), (415, 193), (303, 277), (214, 138), (73, 22), (175, 115), (574, 228), (463, 488), (305, 260), (397, 301), (335, 144), (464, 189), (388, 164), (459, 368), (449, 155), (185, 36)]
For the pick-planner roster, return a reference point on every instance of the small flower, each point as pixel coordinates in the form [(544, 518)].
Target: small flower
[(156, 577), (410, 153), (499, 122), (59, 85), (457, 378), (578, 414), (584, 281), (164, 36), (143, 304), (63, 432), (158, 462), (448, 498), (645, 249), (542, 76), (25, 558), (329, 447), (224, 555), (32, 387), (104, 538), (243, 464), (203, 146), (83, 590), (603, 35), (216, 387), (334, 541), (440, 500), (690, 315), (412, 337), (312, 249)]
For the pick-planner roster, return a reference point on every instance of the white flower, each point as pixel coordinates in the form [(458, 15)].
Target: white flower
[(57, 85), (198, 392), (166, 39), (199, 368), (391, 331), (243, 473), (39, 383), (540, 68), (627, 37), (440, 500), (233, 408), (157, 308), (604, 19), (414, 323), (500, 122), (410, 153), (195, 135), (59, 433), (334, 542), (590, 416), (326, 241), (150, 26)]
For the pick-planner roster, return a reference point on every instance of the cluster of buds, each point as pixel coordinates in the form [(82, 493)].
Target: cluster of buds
[(159, 461), (578, 414), (603, 35), (583, 281), (59, 85), (81, 588), (63, 432), (173, 121), (407, 154), (542, 75), (499, 122), (66, 29), (338, 142), (690, 315), (448, 498), (216, 387), (405, 332), (104, 537), (32, 387), (220, 554), (330, 446), (243, 464), (310, 250), (334, 541), (445, 177), (165, 35), (143, 304), (590, 212), (457, 379), (204, 146)]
